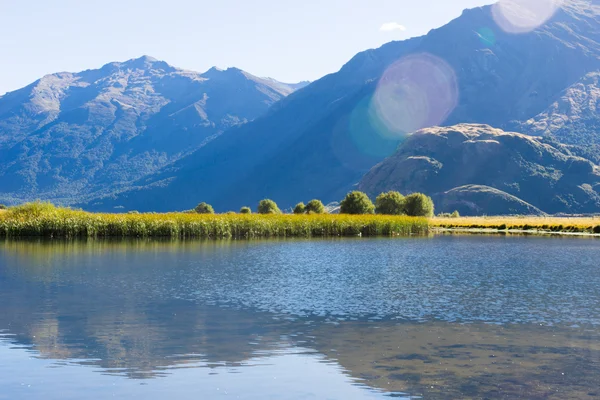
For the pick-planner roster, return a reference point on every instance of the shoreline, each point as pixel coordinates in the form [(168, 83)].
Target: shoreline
[(521, 232)]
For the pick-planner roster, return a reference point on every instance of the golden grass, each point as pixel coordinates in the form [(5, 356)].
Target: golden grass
[(549, 224), (46, 220)]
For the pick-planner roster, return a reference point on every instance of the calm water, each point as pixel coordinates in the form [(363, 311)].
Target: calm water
[(443, 317)]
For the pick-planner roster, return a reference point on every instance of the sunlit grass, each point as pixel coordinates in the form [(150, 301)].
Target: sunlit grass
[(549, 224), (46, 220)]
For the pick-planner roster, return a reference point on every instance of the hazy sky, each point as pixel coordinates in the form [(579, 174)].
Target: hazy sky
[(287, 40)]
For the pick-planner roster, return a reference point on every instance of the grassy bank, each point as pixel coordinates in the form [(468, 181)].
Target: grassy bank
[(45, 220), (534, 224)]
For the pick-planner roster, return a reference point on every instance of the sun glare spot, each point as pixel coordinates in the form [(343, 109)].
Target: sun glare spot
[(520, 16), (415, 92), (487, 37)]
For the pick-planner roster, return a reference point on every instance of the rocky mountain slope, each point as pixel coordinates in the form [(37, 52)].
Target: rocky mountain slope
[(478, 169), (73, 136), (320, 141)]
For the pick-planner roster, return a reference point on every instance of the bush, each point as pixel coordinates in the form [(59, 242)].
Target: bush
[(268, 207), (455, 214), (245, 210), (32, 210), (133, 212), (357, 203), (390, 203), (315, 207), (418, 205), (300, 208), (3, 207), (204, 208)]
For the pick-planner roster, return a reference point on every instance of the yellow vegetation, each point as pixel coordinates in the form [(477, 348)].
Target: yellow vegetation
[(46, 220), (550, 224)]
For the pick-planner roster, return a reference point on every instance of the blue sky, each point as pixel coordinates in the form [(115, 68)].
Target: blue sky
[(287, 40)]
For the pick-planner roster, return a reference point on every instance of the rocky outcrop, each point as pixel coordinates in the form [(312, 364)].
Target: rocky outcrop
[(483, 200), (478, 170)]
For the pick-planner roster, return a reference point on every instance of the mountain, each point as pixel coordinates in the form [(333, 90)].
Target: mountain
[(72, 136), (320, 141), (478, 169)]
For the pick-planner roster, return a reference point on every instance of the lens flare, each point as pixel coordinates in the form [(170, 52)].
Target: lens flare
[(415, 92), (521, 16), (359, 140), (487, 37)]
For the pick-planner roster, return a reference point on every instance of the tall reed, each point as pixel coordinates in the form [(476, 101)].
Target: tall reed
[(46, 220)]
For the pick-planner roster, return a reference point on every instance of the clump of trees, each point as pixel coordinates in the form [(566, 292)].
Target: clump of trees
[(357, 203), (204, 208), (313, 207), (268, 206), (418, 205), (300, 208), (390, 203)]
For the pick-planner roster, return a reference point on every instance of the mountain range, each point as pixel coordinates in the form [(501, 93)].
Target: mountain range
[(143, 135), (72, 136)]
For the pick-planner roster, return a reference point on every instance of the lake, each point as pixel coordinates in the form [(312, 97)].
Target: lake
[(440, 317)]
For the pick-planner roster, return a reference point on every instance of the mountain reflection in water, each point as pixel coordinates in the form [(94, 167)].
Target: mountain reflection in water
[(496, 317)]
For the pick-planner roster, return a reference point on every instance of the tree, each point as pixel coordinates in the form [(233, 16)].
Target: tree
[(300, 208), (204, 208), (315, 207), (357, 203), (267, 206), (3, 207), (390, 203), (455, 214), (245, 210), (418, 205)]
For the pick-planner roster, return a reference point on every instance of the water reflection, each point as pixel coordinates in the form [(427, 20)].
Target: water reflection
[(337, 319)]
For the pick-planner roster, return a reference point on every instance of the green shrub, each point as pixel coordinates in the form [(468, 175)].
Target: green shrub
[(267, 206), (455, 214), (390, 203), (418, 205), (597, 229), (204, 208), (3, 207), (300, 208), (357, 203), (245, 210), (315, 207)]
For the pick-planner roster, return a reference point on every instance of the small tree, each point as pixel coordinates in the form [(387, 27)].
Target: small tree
[(418, 205), (455, 214), (204, 208), (268, 207), (390, 203), (245, 210), (3, 207), (300, 208), (315, 207), (357, 203)]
